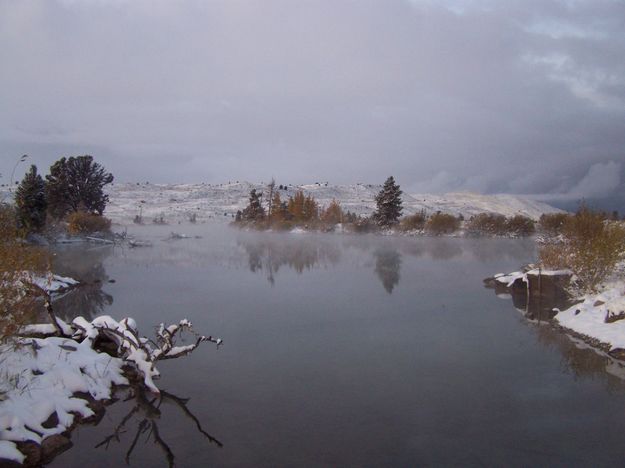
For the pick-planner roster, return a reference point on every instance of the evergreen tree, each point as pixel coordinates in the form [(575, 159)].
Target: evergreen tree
[(77, 183), (389, 204), (254, 211), (30, 200), (271, 187)]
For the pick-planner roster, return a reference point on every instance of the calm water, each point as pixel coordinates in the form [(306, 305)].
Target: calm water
[(342, 351)]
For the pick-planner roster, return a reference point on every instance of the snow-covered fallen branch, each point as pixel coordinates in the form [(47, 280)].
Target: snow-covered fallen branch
[(44, 368)]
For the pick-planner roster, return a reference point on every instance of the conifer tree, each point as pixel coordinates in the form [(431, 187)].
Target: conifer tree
[(30, 200), (389, 204), (76, 183), (271, 187), (254, 211)]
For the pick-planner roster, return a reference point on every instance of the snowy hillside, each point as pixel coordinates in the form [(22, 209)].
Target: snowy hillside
[(177, 202)]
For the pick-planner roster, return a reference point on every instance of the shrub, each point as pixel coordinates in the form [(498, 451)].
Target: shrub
[(591, 248), (17, 301), (364, 224), (491, 224), (442, 223), (520, 225), (80, 222), (552, 223), (413, 222)]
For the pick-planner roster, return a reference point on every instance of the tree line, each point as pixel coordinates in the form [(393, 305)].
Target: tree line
[(73, 190), (301, 210)]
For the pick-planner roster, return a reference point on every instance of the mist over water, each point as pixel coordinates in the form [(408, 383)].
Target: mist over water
[(346, 351)]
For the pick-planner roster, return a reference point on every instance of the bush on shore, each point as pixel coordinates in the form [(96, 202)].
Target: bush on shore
[(80, 222), (442, 223), (590, 247), (17, 300), (415, 222)]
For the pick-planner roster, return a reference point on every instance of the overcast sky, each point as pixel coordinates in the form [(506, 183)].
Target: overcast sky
[(490, 96)]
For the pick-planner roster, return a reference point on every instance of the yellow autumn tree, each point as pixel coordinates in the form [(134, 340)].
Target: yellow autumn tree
[(333, 214)]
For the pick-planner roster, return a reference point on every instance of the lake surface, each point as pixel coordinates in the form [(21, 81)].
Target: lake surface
[(342, 351)]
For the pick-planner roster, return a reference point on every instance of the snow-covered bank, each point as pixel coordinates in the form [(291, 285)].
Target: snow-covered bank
[(599, 317), (178, 202), (47, 382)]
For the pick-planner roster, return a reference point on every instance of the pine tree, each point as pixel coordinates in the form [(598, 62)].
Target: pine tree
[(389, 204), (254, 211), (30, 200), (76, 183), (271, 187)]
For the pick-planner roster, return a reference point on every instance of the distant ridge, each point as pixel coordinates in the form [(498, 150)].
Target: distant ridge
[(176, 202)]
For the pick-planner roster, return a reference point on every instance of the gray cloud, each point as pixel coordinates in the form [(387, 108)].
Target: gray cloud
[(524, 96)]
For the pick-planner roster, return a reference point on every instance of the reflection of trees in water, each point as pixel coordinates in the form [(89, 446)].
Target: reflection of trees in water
[(581, 360), (444, 249), (270, 254), (387, 267), (88, 300), (494, 249), (85, 265), (145, 416)]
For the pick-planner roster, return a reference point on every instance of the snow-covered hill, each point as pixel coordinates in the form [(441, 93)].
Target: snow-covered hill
[(177, 202)]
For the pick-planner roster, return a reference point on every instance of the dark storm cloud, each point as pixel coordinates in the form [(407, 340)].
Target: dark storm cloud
[(492, 96)]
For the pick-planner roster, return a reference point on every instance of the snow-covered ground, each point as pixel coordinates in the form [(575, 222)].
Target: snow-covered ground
[(599, 316), (177, 202), (42, 377)]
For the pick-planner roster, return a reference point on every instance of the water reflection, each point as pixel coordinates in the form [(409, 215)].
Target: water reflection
[(144, 419), (269, 254), (87, 266), (581, 360), (387, 267)]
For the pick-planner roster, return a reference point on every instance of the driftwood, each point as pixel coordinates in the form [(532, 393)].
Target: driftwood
[(122, 340)]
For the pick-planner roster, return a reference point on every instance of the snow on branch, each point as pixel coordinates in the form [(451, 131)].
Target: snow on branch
[(47, 365)]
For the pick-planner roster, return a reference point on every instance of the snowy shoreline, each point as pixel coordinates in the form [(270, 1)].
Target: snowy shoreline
[(56, 375), (598, 319)]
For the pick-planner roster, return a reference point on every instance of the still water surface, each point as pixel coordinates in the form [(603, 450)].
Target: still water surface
[(342, 351)]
